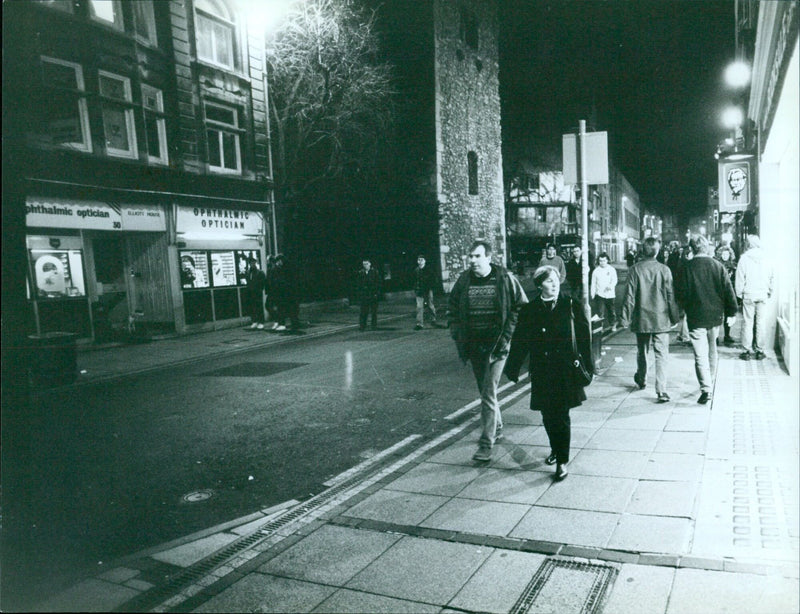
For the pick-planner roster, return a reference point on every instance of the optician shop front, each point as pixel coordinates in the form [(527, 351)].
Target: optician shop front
[(106, 270)]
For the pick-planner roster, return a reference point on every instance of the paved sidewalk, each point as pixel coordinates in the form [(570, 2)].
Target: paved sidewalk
[(677, 508)]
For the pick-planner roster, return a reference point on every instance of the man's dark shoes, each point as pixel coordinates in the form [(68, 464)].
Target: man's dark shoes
[(745, 355), (663, 397), (728, 341), (483, 454), (760, 355), (418, 327), (561, 471), (705, 397), (550, 460), (639, 383)]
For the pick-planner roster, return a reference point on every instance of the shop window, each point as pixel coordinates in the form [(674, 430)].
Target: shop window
[(155, 127), (472, 171), (194, 270), (117, 110), (214, 32), (64, 111), (57, 273), (223, 137), (108, 12), (144, 21), (197, 307)]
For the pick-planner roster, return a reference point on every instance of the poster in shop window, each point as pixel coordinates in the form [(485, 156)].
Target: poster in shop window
[(223, 269), (194, 269), (242, 257), (58, 273)]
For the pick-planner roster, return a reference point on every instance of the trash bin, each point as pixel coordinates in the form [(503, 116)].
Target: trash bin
[(53, 359), (597, 341)]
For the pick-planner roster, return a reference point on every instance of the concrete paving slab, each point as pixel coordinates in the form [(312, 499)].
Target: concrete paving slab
[(508, 486), (330, 555), (717, 592), (89, 596), (580, 435), (643, 589), (521, 413), (575, 527), (584, 492), (588, 419), (346, 601), (473, 516), (682, 422), (610, 463), (673, 467), (458, 453), (519, 433), (188, 554), (652, 534), (119, 574), (681, 443), (435, 479), (521, 457), (631, 440), (263, 593), (426, 570), (499, 582), (397, 507), (649, 419), (657, 498)]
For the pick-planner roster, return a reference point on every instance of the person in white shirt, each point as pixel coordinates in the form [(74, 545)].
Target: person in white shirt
[(602, 290)]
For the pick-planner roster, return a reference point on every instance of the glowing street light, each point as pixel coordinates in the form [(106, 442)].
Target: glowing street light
[(732, 117), (737, 74)]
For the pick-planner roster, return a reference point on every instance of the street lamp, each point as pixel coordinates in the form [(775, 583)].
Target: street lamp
[(732, 117), (737, 74)]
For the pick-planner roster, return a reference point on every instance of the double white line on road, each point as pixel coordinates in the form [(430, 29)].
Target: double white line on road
[(504, 401)]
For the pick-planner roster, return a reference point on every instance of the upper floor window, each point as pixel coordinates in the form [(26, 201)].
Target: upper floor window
[(144, 21), (472, 171), (108, 12), (223, 135), (155, 128), (214, 30), (116, 104), (65, 115)]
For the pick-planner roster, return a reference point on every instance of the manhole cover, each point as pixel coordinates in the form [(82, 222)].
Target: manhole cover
[(197, 496), (566, 586), (254, 369)]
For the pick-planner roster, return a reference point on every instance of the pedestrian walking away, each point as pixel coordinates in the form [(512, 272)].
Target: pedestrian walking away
[(602, 291), (544, 334), (424, 282), (650, 309), (284, 285), (255, 281), (551, 258), (705, 292), (367, 290), (754, 278), (483, 308), (574, 269), (727, 257)]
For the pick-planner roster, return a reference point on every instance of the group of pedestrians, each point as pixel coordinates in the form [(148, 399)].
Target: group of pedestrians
[(275, 291)]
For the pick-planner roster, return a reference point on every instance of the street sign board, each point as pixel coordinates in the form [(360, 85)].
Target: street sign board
[(734, 185), (596, 158)]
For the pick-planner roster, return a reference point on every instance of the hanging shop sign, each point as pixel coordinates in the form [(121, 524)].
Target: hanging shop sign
[(212, 223), (734, 185), (92, 215)]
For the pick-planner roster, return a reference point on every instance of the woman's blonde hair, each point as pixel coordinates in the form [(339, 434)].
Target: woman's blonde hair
[(543, 273)]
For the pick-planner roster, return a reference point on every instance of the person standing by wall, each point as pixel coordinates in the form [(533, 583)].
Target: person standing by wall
[(649, 308), (706, 294), (754, 278), (544, 332), (255, 281), (602, 291), (483, 308), (551, 258), (368, 286), (423, 290)]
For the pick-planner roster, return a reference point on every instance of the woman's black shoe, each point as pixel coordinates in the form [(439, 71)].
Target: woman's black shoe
[(561, 471), (550, 460)]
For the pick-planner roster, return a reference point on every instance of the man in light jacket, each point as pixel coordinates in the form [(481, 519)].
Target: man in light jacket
[(705, 292), (754, 279), (483, 309), (650, 309)]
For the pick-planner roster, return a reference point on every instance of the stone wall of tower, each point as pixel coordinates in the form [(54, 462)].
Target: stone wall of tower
[(467, 132)]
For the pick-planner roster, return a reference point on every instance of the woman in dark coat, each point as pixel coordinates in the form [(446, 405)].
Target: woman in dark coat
[(543, 332)]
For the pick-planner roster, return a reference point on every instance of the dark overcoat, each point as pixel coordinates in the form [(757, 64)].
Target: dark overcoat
[(544, 335)]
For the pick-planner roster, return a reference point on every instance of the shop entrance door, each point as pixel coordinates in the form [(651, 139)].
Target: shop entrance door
[(148, 289)]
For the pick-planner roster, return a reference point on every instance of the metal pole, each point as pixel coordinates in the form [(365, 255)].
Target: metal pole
[(584, 216)]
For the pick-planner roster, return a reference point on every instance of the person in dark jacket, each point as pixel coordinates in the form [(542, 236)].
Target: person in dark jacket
[(285, 292), (483, 307), (255, 281), (706, 294), (544, 333), (368, 287), (424, 282), (574, 268), (727, 257)]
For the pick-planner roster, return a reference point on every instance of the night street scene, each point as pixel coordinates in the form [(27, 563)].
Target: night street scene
[(401, 306)]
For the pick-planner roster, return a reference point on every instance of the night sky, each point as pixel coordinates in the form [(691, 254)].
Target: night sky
[(652, 70)]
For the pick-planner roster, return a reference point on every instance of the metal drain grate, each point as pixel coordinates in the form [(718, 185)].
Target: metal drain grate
[(566, 586), (253, 369)]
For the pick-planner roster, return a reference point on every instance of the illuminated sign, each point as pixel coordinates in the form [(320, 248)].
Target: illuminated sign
[(734, 185), (92, 215), (211, 222)]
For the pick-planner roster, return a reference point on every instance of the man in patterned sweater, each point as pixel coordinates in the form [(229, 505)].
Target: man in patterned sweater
[(483, 309)]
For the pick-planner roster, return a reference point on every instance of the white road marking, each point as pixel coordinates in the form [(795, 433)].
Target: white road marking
[(477, 402), (370, 461)]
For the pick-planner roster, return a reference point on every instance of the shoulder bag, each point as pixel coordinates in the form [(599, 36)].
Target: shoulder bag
[(581, 375)]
